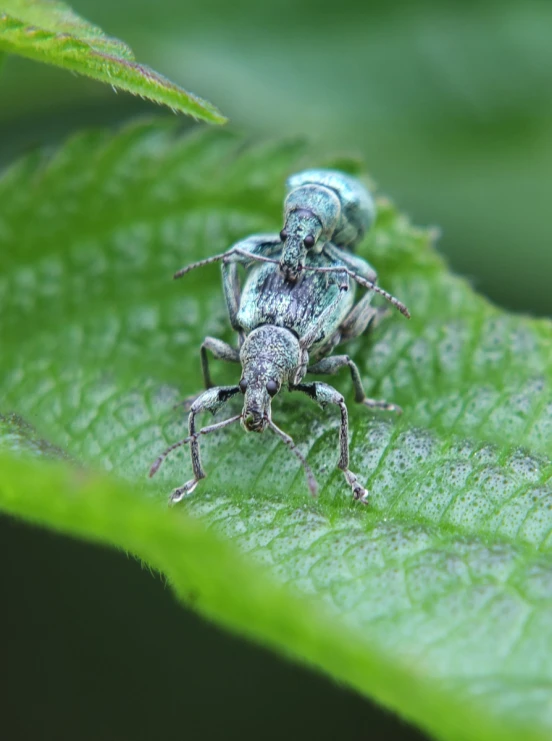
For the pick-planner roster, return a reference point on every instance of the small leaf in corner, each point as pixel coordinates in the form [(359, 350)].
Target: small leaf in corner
[(50, 32)]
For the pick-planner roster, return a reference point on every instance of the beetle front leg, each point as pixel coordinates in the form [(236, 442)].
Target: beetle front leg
[(325, 394), (244, 253), (181, 491), (221, 351), (329, 366), (209, 401)]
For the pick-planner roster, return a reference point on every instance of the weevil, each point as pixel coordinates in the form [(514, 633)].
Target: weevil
[(285, 330), (325, 212)]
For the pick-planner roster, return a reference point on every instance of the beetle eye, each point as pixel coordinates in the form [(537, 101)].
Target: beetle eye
[(283, 235), (272, 388), (243, 385), (309, 241)]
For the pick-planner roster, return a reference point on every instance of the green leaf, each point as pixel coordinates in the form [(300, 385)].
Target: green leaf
[(50, 32), (437, 599)]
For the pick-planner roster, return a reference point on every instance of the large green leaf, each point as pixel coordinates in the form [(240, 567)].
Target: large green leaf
[(50, 32), (437, 599)]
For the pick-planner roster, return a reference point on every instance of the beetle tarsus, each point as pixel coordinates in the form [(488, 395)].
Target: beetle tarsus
[(178, 494), (360, 494)]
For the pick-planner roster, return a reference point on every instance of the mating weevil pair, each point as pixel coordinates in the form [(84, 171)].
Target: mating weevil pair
[(297, 305)]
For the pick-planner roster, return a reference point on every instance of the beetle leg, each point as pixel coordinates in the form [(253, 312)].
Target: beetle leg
[(361, 316), (325, 394), (221, 351), (243, 253), (232, 292), (209, 401), (327, 348), (329, 366)]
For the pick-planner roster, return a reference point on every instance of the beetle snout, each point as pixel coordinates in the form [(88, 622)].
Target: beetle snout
[(254, 421), (293, 257)]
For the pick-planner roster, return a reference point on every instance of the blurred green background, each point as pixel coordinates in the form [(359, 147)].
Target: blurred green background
[(450, 105)]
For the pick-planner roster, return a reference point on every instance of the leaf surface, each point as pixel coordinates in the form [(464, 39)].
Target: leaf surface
[(437, 599), (48, 31)]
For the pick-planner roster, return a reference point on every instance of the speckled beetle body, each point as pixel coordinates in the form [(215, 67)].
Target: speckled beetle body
[(286, 329), (267, 298)]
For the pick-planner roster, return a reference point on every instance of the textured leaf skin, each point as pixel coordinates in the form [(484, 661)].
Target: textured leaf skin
[(50, 32), (437, 599)]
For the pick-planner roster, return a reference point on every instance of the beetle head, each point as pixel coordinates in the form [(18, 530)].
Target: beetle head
[(311, 214), (301, 234), (270, 357)]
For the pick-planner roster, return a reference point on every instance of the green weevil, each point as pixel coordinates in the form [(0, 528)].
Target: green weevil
[(327, 213), (286, 329)]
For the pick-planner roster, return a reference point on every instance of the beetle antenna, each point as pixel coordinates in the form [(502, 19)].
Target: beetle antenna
[(365, 284), (204, 431), (311, 481), (225, 257), (198, 264)]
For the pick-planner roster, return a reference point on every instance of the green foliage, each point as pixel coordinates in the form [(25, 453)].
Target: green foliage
[(50, 32), (436, 600)]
